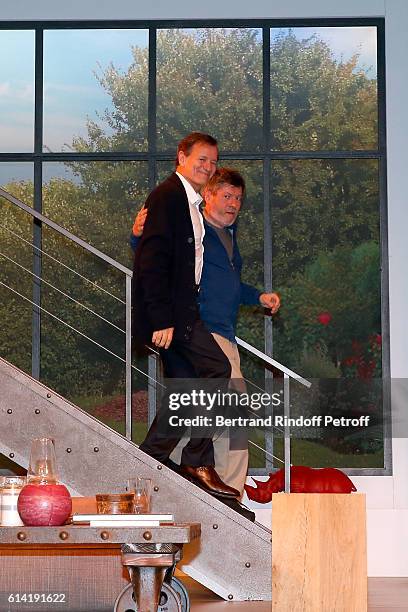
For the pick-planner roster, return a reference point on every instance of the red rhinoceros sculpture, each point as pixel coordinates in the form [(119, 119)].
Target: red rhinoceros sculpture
[(302, 480)]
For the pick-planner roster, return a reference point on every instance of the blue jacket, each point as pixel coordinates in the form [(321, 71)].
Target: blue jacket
[(221, 289)]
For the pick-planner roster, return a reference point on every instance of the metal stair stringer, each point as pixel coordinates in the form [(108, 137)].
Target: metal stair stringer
[(233, 556)]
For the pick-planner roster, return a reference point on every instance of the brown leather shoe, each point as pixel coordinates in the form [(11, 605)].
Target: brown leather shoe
[(207, 478)]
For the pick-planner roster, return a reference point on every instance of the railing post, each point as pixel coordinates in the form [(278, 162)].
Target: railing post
[(128, 367), (269, 411), (286, 412), (152, 389)]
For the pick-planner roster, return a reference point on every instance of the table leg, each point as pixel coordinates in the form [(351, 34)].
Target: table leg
[(148, 564)]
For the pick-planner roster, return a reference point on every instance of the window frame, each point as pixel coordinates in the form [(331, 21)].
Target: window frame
[(265, 154)]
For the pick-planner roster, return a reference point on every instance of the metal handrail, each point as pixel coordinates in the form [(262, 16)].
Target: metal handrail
[(60, 263), (66, 295), (128, 302), (128, 272), (273, 362), (287, 374), (23, 297), (61, 230)]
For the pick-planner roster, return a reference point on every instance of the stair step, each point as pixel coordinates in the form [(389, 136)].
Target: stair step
[(233, 557)]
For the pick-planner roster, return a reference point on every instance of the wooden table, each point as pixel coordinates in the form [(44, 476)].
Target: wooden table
[(149, 553)]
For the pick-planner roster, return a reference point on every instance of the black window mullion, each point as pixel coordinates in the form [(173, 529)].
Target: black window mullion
[(195, 23), (266, 86), (385, 311), (266, 179), (37, 229), (152, 108), (169, 155), (267, 227)]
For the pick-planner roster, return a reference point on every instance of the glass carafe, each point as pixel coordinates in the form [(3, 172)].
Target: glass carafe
[(44, 501), (43, 463)]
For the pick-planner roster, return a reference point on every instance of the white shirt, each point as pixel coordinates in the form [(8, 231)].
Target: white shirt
[(194, 201)]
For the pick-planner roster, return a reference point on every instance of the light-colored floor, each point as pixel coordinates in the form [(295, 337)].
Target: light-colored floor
[(388, 594), (384, 595)]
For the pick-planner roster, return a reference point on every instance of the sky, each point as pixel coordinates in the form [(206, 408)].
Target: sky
[(343, 42), (72, 92)]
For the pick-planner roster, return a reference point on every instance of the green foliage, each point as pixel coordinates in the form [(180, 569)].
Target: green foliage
[(319, 102), (210, 80), (324, 213), (318, 206), (344, 283), (316, 363), (308, 452), (15, 311), (70, 363)]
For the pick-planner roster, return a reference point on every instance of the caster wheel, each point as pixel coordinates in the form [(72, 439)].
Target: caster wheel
[(181, 590), (173, 598)]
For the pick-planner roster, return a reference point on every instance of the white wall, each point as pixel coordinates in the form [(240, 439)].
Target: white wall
[(185, 9), (387, 497)]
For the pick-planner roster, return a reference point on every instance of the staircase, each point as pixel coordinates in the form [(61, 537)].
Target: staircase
[(233, 557)]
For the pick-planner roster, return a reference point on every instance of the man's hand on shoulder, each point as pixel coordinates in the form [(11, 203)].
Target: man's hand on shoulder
[(162, 338), (138, 225), (270, 300)]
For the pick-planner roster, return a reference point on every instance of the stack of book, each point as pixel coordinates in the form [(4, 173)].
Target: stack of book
[(122, 520)]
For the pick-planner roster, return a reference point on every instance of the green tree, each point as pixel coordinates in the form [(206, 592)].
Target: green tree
[(318, 101), (344, 285), (211, 80)]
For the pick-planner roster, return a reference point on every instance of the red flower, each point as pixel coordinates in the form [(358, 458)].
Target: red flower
[(349, 361), (324, 318)]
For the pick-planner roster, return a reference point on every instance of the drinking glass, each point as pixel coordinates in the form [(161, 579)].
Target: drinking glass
[(142, 491), (114, 503)]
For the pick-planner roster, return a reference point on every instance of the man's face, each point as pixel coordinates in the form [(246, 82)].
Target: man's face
[(223, 206), (200, 165)]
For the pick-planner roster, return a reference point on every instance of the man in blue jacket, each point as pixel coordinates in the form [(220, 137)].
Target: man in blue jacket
[(221, 293)]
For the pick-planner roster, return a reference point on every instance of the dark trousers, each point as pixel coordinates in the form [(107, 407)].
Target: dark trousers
[(199, 357)]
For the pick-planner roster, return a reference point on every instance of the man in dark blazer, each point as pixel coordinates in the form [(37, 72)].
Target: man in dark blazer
[(166, 278)]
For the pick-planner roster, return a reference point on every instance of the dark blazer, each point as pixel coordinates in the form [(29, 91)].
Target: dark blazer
[(164, 289)]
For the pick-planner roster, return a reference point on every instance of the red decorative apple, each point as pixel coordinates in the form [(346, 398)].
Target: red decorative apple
[(44, 505)]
